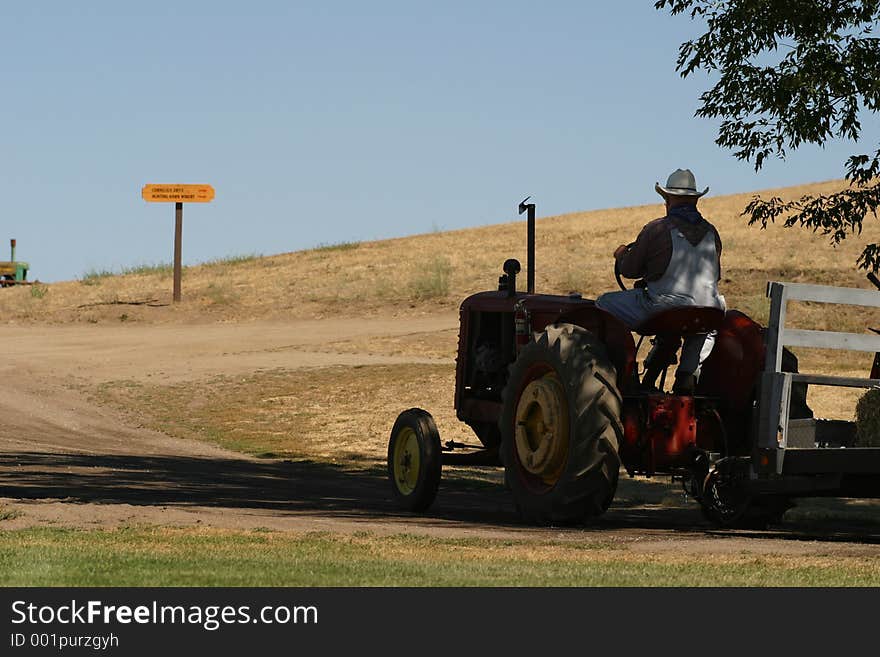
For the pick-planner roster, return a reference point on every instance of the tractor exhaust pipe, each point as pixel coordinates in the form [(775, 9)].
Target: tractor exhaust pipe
[(12, 248), (530, 243)]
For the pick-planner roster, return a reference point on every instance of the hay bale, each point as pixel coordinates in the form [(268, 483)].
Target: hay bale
[(868, 419)]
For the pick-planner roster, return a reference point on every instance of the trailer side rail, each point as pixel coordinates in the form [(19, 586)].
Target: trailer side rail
[(775, 387)]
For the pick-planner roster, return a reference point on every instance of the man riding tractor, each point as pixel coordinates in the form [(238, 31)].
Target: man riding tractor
[(678, 259)]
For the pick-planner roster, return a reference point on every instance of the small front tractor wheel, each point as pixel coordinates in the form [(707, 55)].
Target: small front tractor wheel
[(560, 427), (726, 502), (414, 460)]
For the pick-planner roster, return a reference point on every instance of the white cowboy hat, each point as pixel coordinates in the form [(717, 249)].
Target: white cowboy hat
[(680, 183)]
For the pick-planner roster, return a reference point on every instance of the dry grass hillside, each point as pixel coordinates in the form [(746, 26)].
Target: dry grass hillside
[(431, 272)]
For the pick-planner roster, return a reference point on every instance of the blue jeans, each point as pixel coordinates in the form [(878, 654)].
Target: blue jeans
[(635, 307)]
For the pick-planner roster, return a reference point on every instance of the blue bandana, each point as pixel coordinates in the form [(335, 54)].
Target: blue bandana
[(687, 212)]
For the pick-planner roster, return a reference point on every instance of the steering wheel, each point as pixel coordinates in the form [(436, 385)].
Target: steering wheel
[(617, 271)]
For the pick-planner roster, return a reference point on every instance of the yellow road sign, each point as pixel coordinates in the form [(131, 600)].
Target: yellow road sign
[(178, 193)]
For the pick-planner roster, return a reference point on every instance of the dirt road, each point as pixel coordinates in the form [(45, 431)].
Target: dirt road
[(65, 461)]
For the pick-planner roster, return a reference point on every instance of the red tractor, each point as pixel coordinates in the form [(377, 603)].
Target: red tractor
[(551, 388)]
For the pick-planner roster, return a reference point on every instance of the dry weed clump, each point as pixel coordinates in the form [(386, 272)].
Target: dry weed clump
[(39, 291), (7, 513), (432, 280), (868, 419)]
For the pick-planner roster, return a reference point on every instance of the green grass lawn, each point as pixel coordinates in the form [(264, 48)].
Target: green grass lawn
[(197, 557)]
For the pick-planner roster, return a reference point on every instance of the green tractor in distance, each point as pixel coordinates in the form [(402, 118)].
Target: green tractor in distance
[(12, 272)]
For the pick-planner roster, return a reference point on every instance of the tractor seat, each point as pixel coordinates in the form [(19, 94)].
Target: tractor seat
[(683, 321)]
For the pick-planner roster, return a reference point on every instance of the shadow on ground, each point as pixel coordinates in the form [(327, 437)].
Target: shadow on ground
[(358, 489), (361, 490)]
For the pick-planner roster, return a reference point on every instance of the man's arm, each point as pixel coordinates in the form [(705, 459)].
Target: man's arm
[(634, 261)]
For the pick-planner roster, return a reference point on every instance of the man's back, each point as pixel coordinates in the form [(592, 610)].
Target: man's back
[(691, 276), (649, 256)]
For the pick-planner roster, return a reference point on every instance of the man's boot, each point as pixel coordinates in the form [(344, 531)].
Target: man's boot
[(661, 356)]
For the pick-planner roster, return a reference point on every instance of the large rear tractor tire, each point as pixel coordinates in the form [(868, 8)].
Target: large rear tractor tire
[(414, 461), (560, 427)]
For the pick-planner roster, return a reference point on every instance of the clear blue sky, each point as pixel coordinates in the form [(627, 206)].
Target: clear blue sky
[(331, 121)]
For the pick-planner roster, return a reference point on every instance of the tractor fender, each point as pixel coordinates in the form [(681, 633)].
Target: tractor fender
[(613, 333)]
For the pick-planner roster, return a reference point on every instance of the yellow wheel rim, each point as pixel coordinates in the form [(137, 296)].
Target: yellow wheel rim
[(542, 429), (406, 461)]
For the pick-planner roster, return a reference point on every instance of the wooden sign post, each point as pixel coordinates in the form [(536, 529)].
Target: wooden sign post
[(177, 194)]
